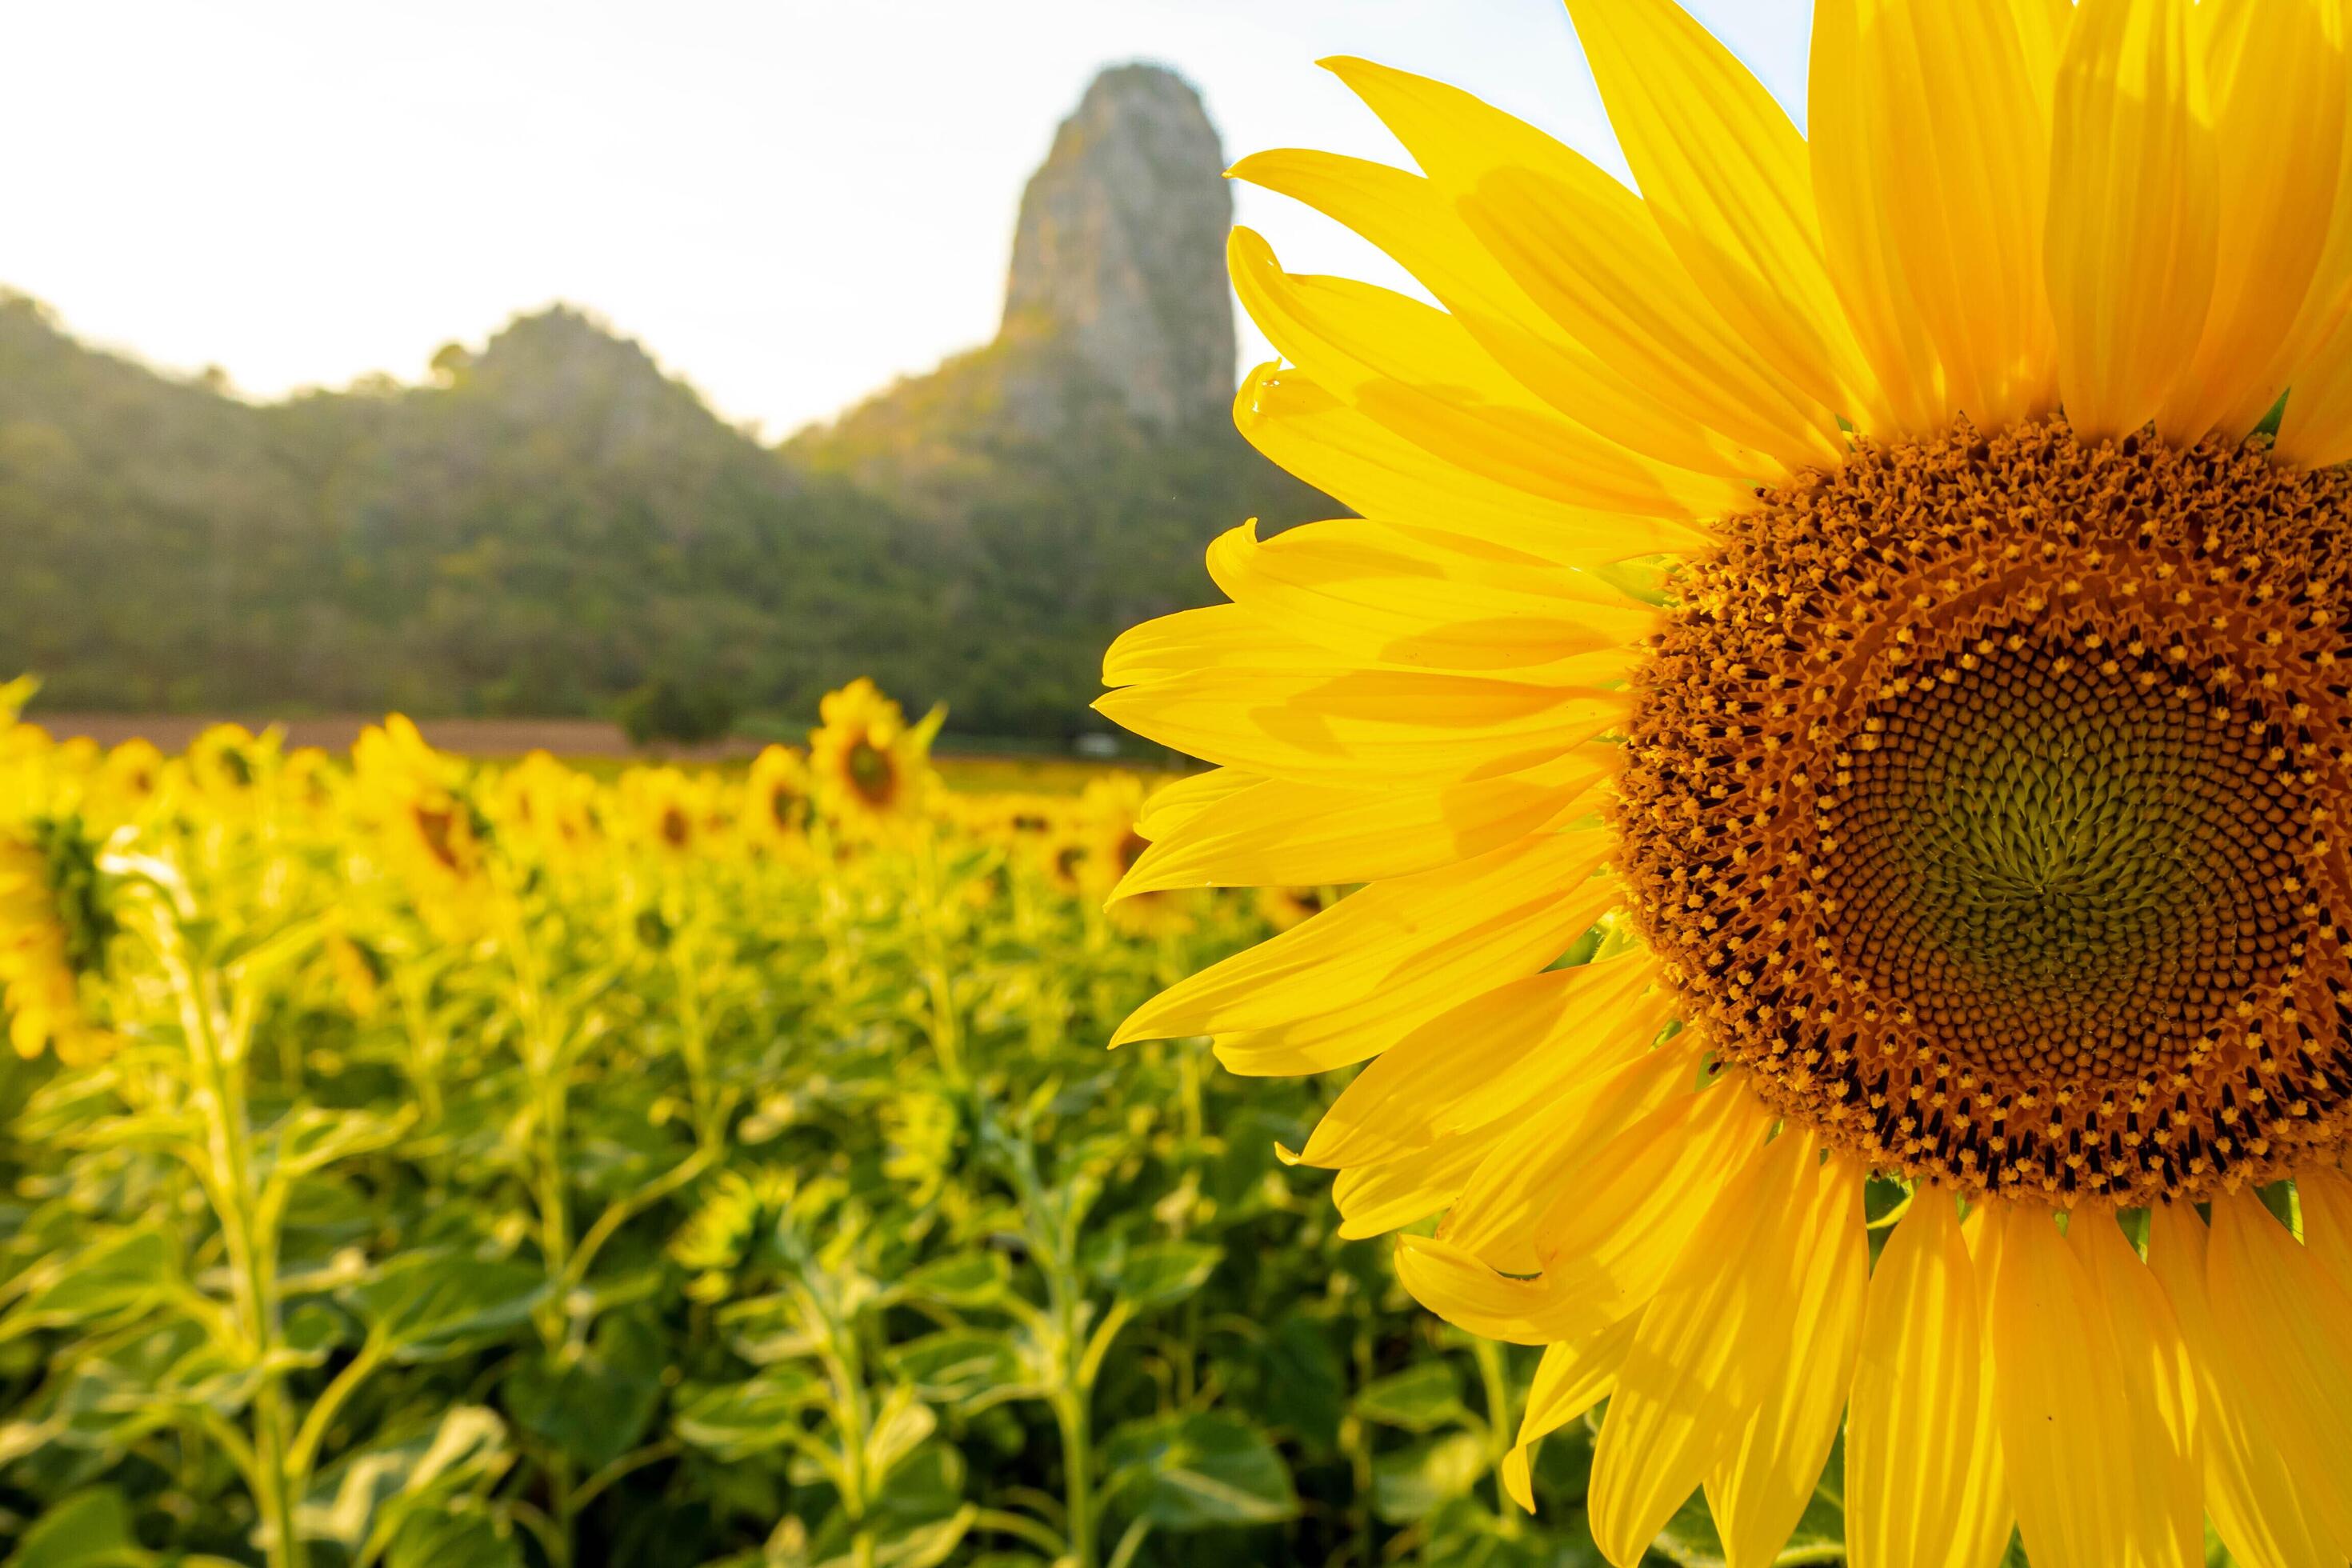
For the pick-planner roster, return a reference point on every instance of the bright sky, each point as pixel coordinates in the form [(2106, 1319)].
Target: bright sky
[(789, 202)]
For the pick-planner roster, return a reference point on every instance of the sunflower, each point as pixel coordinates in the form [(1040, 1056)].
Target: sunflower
[(1113, 834), (872, 770), (669, 811), (427, 823), (547, 806), (129, 778), (55, 927), (1283, 908), (776, 804), (225, 762), (1879, 574)]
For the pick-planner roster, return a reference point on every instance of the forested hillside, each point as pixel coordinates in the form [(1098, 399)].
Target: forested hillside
[(540, 528)]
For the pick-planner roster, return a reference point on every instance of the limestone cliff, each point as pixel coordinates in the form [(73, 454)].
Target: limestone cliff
[(1117, 336), (1117, 261)]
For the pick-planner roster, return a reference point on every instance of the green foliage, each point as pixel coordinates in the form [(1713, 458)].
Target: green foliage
[(821, 1231), (666, 711), (548, 525)]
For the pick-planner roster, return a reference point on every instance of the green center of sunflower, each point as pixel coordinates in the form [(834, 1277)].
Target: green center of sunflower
[(1980, 799), (2058, 871)]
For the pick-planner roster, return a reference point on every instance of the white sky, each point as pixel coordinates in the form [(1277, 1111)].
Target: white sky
[(789, 202)]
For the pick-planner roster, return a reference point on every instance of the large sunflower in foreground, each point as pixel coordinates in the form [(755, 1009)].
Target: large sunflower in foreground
[(1980, 798)]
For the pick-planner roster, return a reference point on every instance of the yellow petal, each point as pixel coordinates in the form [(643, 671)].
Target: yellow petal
[(2316, 432), (2133, 210), (1760, 1491), (1218, 636), (1173, 808), (1483, 1060), (1728, 180), (1923, 1480), (1339, 725), (1546, 1154), (1573, 1377), (1375, 1199), (1418, 372), (1308, 429), (2316, 361), (1584, 250), (2275, 69), (1959, 105), (1356, 949), (1278, 834), (2165, 1478), (2058, 1391), (1703, 1357), (1620, 1218), (1857, 246), (2327, 1199), (1514, 940), (1407, 216), (1378, 593), (2281, 1322), (2256, 1507), (1464, 1290)]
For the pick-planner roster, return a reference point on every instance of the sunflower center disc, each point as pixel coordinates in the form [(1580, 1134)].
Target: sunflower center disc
[(1980, 799), (2062, 873)]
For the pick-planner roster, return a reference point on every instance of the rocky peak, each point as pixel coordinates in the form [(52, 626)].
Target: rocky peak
[(1119, 261)]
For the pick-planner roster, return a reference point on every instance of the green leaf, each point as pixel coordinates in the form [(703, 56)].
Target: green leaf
[(376, 1489), (1199, 1471), (1421, 1398), (115, 1276), (87, 1529), (1689, 1538), (915, 1522), (968, 1279), (1161, 1274), (470, 1540), (1303, 1387), (919, 1545), (442, 1302), (594, 1405), (1466, 1533), (899, 1427), (736, 1420), (1415, 1481), (314, 1137), (970, 1368)]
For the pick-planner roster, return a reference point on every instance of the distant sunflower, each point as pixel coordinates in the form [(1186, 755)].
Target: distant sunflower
[(872, 770), (1975, 794), (671, 812), (130, 775), (54, 930), (777, 804), (427, 826), (547, 806), (1283, 908), (226, 760), (1112, 839)]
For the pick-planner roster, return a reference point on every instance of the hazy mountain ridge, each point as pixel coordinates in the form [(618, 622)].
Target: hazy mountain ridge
[(552, 521)]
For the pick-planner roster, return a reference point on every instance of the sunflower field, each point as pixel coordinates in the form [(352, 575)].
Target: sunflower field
[(415, 1163)]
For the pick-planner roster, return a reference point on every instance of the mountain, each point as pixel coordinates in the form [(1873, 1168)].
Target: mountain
[(1119, 260), (542, 526)]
